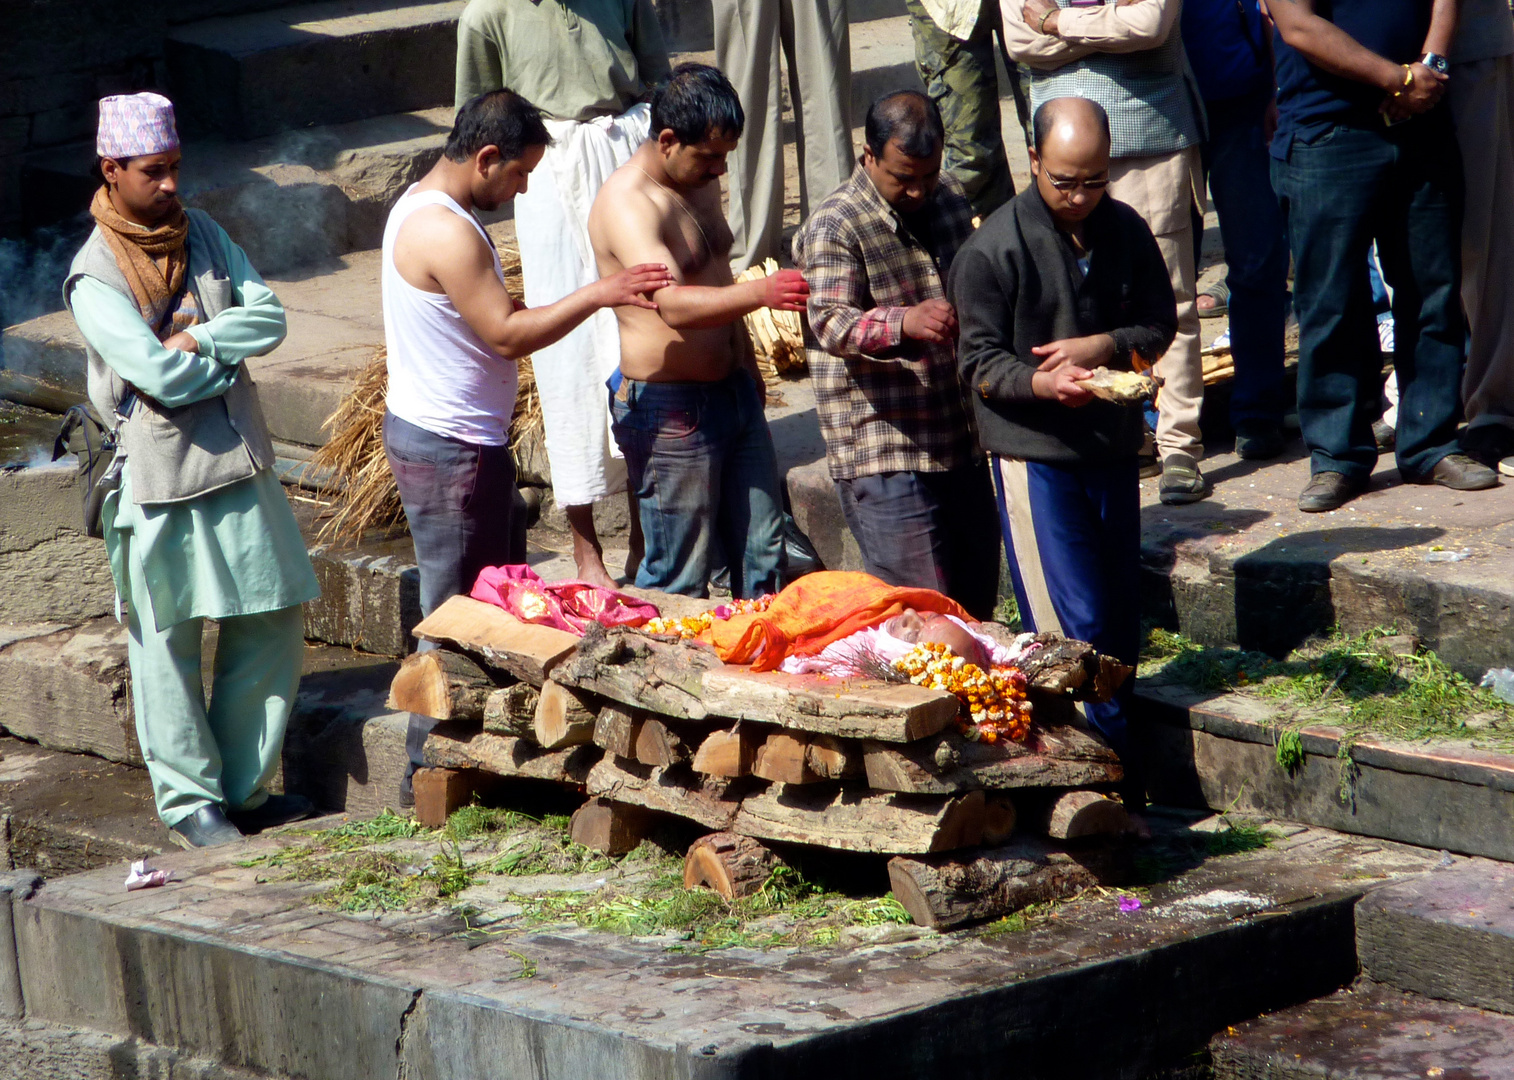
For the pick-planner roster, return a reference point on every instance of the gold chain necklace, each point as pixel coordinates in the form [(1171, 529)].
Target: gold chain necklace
[(709, 249)]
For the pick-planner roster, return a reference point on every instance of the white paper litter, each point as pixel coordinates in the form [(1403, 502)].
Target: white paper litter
[(143, 877)]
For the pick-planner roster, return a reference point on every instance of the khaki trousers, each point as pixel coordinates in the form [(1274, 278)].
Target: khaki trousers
[(1482, 106), (750, 37), (1162, 189)]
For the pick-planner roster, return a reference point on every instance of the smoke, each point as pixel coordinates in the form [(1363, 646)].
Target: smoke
[(32, 269)]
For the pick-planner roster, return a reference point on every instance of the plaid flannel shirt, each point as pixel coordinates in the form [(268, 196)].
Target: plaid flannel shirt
[(886, 403)]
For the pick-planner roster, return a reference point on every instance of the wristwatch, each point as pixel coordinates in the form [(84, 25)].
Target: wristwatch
[(1436, 63)]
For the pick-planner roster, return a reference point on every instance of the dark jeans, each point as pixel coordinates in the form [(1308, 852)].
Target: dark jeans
[(929, 530), (1402, 187), (1256, 252), (460, 502), (700, 460)]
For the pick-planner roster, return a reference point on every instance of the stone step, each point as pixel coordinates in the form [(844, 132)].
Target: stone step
[(325, 63), (1368, 1032), (1447, 935)]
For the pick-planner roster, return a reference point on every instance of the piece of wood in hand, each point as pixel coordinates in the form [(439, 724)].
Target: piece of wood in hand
[(640, 671), (441, 684), (1074, 668), (1055, 755), (831, 758), (951, 891), (847, 709), (734, 866), (611, 827), (525, 650), (999, 818), (511, 710), (673, 789), (851, 820), (728, 753), (564, 717), (461, 746), (1086, 813), (438, 792), (658, 744), (783, 758), (616, 728)]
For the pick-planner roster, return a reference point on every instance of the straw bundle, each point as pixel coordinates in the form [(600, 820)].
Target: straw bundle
[(360, 486), (777, 336)]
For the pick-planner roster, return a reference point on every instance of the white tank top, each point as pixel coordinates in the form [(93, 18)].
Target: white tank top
[(442, 377)]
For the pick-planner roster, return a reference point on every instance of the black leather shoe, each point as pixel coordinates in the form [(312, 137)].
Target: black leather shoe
[(1258, 440), (1459, 473), (206, 827), (276, 810), (1384, 435), (1329, 491)]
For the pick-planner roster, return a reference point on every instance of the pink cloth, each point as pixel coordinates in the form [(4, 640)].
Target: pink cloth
[(565, 605), (135, 124)]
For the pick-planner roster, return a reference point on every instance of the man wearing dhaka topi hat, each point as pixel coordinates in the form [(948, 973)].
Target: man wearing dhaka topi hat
[(199, 528)]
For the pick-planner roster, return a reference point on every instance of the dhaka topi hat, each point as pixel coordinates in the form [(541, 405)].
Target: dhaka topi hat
[(135, 124)]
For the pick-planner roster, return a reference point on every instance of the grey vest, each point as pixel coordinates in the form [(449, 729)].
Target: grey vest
[(177, 453), (1150, 96)]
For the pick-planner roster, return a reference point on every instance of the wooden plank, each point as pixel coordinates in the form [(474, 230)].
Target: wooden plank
[(457, 747), (525, 650), (441, 684), (1054, 756), (728, 753), (845, 708), (944, 892), (511, 710), (734, 866), (612, 827), (674, 789), (637, 670), (563, 717), (852, 820)]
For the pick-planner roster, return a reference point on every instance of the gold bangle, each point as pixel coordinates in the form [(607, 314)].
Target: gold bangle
[(1041, 29), (1408, 81)]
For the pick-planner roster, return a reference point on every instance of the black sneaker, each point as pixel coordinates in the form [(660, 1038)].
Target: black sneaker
[(1258, 440), (206, 827), (276, 810), (1182, 482)]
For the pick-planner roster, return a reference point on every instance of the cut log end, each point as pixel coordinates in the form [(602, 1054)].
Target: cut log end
[(658, 744), (1086, 813), (438, 792), (563, 717), (441, 684), (611, 827), (784, 759), (733, 866), (727, 753)]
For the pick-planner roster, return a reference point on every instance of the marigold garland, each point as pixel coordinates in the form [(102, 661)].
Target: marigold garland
[(994, 700), (688, 627)]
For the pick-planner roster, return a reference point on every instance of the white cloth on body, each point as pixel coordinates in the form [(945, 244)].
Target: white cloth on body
[(840, 657)]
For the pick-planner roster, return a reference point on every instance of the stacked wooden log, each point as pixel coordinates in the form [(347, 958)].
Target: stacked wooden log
[(650, 726)]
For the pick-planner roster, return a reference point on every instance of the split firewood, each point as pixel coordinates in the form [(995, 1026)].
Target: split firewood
[(734, 866), (633, 669), (947, 892), (1075, 668), (727, 753), (999, 819), (658, 744), (850, 820), (525, 650), (831, 758), (441, 684), (1120, 387), (673, 789), (783, 758), (1055, 755), (438, 792), (563, 717), (853, 709), (611, 827), (511, 710), (456, 746), (615, 729), (1086, 813)]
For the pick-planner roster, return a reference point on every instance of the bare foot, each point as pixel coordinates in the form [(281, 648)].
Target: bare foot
[(1138, 827), (593, 571), (1206, 302)]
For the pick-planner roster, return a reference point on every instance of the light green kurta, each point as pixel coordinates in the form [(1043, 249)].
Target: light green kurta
[(233, 551)]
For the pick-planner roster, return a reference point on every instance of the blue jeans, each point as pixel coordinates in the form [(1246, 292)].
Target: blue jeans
[(700, 459), (929, 530), (1256, 252), (1402, 187), (459, 500)]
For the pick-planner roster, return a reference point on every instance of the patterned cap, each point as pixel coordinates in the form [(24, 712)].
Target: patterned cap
[(133, 124)]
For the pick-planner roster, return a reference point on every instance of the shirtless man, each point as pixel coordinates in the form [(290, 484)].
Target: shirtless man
[(453, 335), (686, 409)]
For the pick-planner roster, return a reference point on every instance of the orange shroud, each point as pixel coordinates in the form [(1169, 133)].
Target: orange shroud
[(814, 611)]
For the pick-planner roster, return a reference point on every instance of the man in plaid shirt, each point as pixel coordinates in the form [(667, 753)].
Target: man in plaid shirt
[(882, 354)]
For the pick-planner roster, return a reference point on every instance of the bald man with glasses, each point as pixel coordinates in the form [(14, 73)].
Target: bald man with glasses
[(1062, 280)]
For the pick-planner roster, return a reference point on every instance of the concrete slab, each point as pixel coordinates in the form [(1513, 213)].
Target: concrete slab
[(174, 965), (1245, 567), (52, 571), (325, 63), (1368, 1032), (1219, 751), (31, 1050), (1448, 935)]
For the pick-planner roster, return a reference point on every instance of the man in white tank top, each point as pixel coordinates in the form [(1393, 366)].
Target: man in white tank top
[(453, 335)]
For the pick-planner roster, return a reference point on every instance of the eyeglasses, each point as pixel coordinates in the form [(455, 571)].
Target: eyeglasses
[(1062, 184)]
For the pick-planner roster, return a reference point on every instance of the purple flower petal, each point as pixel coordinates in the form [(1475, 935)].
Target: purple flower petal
[(1129, 904)]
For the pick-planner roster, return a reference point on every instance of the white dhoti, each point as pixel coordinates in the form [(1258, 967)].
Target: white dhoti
[(556, 258)]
